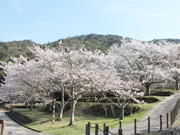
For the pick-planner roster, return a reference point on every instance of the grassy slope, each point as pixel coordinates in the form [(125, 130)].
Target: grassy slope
[(43, 120)]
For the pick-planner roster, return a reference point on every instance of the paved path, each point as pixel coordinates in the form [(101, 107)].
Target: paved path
[(174, 130), (12, 128), (162, 108)]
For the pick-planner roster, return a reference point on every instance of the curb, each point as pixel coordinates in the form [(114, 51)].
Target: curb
[(8, 114)]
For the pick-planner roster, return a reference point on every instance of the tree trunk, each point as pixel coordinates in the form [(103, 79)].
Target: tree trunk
[(112, 109), (31, 106), (105, 109), (26, 104), (177, 84), (60, 117), (148, 90), (131, 109), (95, 97), (73, 104), (50, 107), (121, 113)]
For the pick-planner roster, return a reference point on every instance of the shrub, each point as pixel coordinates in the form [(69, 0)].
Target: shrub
[(162, 92), (106, 109), (148, 99)]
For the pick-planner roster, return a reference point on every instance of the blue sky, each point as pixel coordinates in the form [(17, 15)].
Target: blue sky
[(49, 20)]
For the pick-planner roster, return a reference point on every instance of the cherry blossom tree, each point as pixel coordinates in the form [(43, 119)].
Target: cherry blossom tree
[(69, 70), (107, 81), (79, 72), (142, 61), (23, 80), (174, 60), (72, 68)]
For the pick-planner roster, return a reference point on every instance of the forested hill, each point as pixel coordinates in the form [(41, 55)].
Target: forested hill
[(15, 49), (91, 42), (177, 41)]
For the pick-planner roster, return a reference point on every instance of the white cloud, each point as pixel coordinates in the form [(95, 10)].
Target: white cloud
[(16, 6)]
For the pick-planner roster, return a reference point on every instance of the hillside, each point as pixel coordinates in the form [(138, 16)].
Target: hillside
[(15, 49), (91, 42)]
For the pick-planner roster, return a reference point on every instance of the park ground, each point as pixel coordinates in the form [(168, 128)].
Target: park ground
[(85, 112)]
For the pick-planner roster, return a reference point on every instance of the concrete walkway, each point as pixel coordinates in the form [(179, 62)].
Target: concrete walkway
[(12, 128), (162, 108), (174, 130)]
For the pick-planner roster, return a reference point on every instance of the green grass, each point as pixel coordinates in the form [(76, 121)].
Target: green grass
[(43, 120)]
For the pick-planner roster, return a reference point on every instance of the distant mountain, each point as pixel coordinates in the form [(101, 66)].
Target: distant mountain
[(91, 42), (15, 49), (177, 41)]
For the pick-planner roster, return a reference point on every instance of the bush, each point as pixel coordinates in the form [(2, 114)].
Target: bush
[(148, 99), (162, 92), (106, 109)]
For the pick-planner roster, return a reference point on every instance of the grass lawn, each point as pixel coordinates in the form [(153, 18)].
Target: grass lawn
[(42, 120)]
